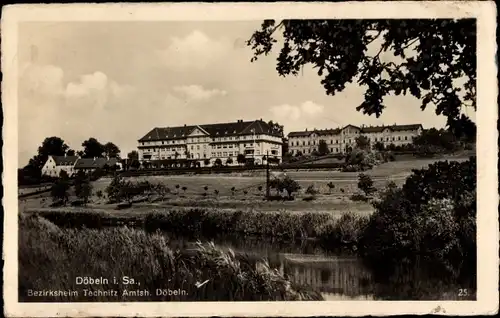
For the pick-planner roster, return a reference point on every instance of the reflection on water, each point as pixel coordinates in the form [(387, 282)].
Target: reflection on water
[(343, 276)]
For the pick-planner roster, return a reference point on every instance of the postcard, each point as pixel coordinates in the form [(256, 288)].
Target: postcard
[(250, 159)]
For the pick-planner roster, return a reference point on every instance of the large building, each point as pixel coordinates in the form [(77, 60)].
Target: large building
[(204, 144), (340, 139)]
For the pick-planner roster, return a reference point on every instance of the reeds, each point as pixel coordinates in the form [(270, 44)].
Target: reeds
[(51, 258)]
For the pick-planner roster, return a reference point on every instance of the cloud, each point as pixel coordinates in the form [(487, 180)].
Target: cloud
[(197, 92), (195, 51), (74, 111), (294, 113)]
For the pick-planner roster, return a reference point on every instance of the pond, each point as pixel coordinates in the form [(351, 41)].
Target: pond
[(341, 275)]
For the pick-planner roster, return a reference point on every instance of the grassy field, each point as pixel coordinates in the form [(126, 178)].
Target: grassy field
[(247, 195)]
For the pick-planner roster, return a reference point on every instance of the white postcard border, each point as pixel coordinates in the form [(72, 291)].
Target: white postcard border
[(487, 195)]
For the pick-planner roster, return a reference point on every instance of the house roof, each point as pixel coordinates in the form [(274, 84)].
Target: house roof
[(366, 130), (65, 160), (214, 130), (319, 132), (91, 163)]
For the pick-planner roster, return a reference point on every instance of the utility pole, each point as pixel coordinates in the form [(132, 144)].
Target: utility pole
[(267, 175)]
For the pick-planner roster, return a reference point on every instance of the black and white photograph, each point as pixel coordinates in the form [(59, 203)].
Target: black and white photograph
[(206, 156)]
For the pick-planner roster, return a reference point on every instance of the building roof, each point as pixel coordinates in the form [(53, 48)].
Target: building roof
[(364, 129), (319, 132), (239, 127), (94, 163), (65, 160)]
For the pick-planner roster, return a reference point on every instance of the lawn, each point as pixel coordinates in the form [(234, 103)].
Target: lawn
[(248, 196)]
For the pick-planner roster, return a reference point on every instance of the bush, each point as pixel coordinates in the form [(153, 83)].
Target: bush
[(433, 214), (59, 191), (359, 197), (365, 184)]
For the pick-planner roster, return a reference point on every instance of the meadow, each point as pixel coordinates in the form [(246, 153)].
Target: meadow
[(247, 196)]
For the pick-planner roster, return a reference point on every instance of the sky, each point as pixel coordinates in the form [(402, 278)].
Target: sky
[(115, 81)]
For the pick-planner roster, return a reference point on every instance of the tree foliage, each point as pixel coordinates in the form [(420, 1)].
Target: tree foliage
[(362, 142), (92, 148), (428, 58), (365, 184), (133, 155), (111, 150), (433, 214), (322, 148)]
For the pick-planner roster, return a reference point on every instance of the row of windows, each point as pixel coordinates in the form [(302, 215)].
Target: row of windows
[(375, 139), (202, 139)]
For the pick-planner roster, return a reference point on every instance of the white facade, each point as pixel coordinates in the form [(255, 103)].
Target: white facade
[(56, 164), (207, 143), (339, 140)]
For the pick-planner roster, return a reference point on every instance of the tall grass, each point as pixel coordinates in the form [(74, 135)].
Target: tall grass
[(284, 226), (51, 258)]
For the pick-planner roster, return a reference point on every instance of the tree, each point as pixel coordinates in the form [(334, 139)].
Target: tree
[(275, 128), (229, 161), (51, 146), (59, 191), (92, 148), (233, 189), (241, 158), (206, 162), (184, 189), (70, 152), (291, 186), (285, 148), (365, 184), (111, 150), (429, 55), (218, 162), (63, 174), (323, 148), (133, 155), (83, 190), (362, 142), (379, 146), (177, 186), (331, 186)]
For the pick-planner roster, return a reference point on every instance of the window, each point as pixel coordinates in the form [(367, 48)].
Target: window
[(406, 137), (198, 147), (331, 142), (192, 147), (303, 143), (399, 137)]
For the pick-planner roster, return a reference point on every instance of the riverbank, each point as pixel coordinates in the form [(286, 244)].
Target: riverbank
[(327, 228), (52, 259)]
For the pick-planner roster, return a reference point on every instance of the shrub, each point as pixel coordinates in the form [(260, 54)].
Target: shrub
[(83, 189), (359, 197), (365, 184), (347, 230), (59, 191), (291, 186), (433, 214), (331, 186)]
